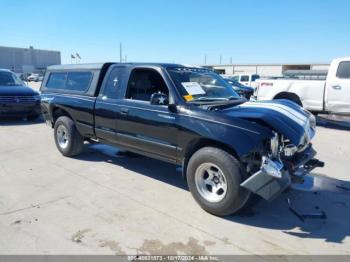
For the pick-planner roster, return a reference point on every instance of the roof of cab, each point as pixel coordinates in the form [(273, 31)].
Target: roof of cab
[(99, 66), (93, 66), (4, 70)]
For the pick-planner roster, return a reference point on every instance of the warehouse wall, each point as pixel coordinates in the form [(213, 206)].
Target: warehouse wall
[(319, 67), (245, 69), (268, 70), (23, 59), (265, 70), (226, 70)]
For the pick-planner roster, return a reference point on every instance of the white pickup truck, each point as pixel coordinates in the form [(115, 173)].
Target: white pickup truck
[(247, 79), (318, 96)]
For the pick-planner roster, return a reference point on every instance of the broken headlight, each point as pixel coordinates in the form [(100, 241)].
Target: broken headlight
[(312, 121), (289, 150), (272, 168), (274, 145)]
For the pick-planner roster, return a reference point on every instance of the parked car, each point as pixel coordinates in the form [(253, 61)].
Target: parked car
[(247, 79), (320, 96), (21, 76), (17, 99), (35, 78), (242, 90), (228, 148)]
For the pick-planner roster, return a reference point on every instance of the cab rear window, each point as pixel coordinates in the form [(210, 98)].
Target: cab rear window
[(72, 81)]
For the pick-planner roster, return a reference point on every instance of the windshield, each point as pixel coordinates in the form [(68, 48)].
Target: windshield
[(9, 79), (234, 82), (195, 84)]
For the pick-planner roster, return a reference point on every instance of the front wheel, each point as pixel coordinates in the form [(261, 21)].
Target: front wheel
[(214, 177), (68, 140)]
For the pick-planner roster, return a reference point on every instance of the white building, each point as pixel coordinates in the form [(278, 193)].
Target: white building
[(265, 70), (27, 59)]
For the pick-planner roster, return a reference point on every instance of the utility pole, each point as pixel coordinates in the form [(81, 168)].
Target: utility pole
[(126, 58), (121, 52), (220, 59), (205, 59), (231, 60)]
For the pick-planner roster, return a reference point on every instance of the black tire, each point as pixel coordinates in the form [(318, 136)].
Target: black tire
[(74, 142), (235, 197), (291, 97)]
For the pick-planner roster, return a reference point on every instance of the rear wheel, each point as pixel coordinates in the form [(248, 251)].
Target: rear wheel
[(214, 177), (67, 138)]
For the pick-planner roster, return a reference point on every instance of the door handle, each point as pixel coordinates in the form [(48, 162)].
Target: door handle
[(124, 111), (336, 87)]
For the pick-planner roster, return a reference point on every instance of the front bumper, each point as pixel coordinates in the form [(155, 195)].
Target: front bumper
[(19, 110), (267, 185)]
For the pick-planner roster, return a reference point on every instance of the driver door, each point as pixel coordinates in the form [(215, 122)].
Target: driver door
[(338, 89), (143, 127)]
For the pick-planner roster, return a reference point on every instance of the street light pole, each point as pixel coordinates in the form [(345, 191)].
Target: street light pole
[(121, 52)]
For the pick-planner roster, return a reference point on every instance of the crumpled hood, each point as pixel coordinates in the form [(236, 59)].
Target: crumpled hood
[(17, 91), (284, 116)]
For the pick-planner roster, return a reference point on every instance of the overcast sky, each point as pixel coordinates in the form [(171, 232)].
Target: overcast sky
[(181, 31)]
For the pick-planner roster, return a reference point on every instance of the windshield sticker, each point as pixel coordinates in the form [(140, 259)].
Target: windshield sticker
[(188, 98), (193, 88)]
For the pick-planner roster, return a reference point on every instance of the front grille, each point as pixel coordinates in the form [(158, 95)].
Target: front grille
[(17, 99)]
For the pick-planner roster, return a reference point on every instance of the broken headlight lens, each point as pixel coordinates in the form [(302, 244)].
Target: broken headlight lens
[(312, 120), (274, 145), (272, 168), (290, 150)]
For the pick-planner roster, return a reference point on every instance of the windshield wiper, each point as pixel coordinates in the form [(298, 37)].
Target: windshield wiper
[(213, 99), (204, 99), (227, 104)]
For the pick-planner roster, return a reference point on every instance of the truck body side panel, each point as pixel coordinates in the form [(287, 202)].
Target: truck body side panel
[(79, 108), (310, 92)]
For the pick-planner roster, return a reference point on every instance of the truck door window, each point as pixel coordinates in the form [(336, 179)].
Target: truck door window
[(244, 78), (114, 83), (143, 83), (344, 70)]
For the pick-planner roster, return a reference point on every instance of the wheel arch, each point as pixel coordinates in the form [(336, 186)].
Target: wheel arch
[(197, 144), (57, 111), (289, 96)]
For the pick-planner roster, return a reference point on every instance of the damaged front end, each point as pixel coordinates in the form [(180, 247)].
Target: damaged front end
[(279, 164)]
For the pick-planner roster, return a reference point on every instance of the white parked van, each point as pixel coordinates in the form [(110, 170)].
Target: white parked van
[(327, 96)]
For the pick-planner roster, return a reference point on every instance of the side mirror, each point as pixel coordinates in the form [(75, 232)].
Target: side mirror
[(159, 99)]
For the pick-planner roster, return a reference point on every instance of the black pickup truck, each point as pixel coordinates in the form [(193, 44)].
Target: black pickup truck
[(228, 148)]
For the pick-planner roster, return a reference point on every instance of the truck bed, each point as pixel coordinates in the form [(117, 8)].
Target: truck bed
[(310, 92)]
